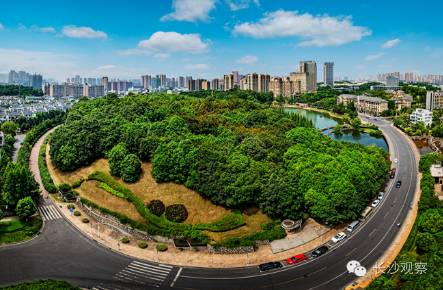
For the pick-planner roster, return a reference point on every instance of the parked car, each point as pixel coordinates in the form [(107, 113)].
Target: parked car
[(398, 184), (392, 175), (381, 195), (395, 160), (269, 266), (375, 203), (296, 259), (338, 237), (319, 251), (352, 226)]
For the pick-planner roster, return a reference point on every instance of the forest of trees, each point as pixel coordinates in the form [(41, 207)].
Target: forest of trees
[(234, 149), (15, 90)]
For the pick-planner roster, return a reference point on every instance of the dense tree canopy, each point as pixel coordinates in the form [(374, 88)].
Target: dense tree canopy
[(233, 148), (15, 90)]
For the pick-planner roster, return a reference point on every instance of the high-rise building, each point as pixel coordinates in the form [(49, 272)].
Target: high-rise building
[(188, 78), (162, 81), (263, 83), (328, 74), (310, 68), (57, 91), (228, 82), (146, 82), (105, 81), (36, 81), (237, 78), (93, 91), (434, 100), (181, 82), (392, 81), (215, 84)]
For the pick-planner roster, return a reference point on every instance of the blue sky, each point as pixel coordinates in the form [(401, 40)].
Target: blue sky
[(207, 38)]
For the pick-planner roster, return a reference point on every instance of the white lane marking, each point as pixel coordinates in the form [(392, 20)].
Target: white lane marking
[(54, 212), (176, 276), (150, 266), (143, 273), (148, 271), (48, 213), (372, 232)]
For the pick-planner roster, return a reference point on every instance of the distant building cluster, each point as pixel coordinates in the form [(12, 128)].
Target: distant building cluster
[(364, 104), (409, 77), (23, 78)]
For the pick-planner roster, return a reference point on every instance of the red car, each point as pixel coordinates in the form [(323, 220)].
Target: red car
[(296, 259)]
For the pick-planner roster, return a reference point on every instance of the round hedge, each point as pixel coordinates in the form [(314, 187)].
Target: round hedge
[(125, 240), (176, 213), (162, 247), (142, 244), (156, 207)]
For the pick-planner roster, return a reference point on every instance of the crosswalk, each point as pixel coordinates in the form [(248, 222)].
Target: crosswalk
[(49, 212), (144, 274)]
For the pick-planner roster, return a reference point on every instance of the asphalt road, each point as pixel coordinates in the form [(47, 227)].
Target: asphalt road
[(61, 252)]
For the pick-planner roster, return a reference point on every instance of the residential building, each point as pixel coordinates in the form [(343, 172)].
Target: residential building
[(228, 82), (276, 86), (215, 84), (119, 87), (205, 85), (181, 82), (310, 68), (57, 91), (162, 81), (146, 82), (187, 79), (237, 78), (421, 115), (434, 100), (364, 104), (401, 99), (328, 74), (300, 82), (93, 91), (263, 83), (105, 81)]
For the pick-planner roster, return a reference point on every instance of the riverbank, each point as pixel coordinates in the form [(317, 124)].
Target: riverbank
[(330, 114)]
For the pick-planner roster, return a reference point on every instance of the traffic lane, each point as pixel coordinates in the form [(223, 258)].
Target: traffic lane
[(59, 247)]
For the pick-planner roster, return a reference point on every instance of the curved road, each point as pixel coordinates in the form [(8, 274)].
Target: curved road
[(61, 252)]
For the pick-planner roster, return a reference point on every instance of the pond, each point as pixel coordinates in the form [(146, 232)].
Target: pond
[(322, 121)]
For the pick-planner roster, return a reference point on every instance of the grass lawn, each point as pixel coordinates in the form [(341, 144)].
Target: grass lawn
[(42, 285), (200, 210), (14, 231)]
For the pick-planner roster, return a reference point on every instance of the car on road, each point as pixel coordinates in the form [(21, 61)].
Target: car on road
[(395, 160), (392, 174), (269, 266), (375, 203), (338, 237), (381, 195), (319, 251), (352, 226), (296, 259), (398, 184)]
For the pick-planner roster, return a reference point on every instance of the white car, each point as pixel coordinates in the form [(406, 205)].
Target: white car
[(338, 237), (375, 203), (395, 160), (381, 195)]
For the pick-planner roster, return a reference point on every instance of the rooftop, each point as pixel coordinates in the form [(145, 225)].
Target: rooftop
[(437, 170)]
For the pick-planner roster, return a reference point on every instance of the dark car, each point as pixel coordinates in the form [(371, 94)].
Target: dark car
[(392, 175), (270, 266), (398, 184), (319, 251)]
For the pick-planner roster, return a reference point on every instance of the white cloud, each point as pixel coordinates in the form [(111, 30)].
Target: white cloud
[(236, 5), (318, 31), (2, 26), (46, 29), (391, 43), (168, 42), (248, 59), (197, 66), (190, 10), (106, 67), (373, 57), (133, 52), (83, 32)]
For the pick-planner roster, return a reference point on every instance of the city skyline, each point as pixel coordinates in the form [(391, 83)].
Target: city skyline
[(215, 37)]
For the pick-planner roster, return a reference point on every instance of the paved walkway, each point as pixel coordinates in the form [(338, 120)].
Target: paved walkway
[(17, 144)]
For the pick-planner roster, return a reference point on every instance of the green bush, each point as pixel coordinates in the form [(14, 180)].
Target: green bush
[(131, 168), (47, 181), (42, 285), (77, 213), (125, 240), (77, 183), (70, 206), (64, 187), (176, 213), (85, 220), (156, 207), (161, 247), (142, 244), (112, 191)]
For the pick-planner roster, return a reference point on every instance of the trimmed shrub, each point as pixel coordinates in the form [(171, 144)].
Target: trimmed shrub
[(77, 183), (142, 244), (162, 247), (64, 187), (77, 213), (156, 207), (70, 206), (125, 240), (176, 213), (85, 220), (112, 191)]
